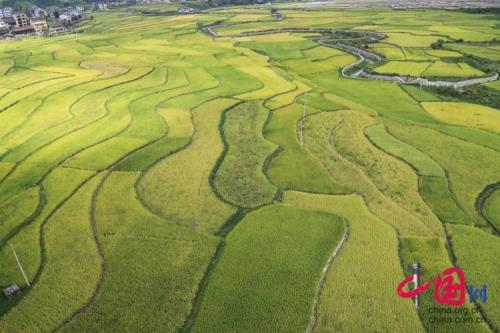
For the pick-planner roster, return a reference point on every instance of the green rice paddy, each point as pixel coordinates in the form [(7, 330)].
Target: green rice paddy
[(154, 178)]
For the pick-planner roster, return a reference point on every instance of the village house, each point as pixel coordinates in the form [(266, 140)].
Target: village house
[(39, 13), (51, 12), (21, 20), (9, 21), (80, 10), (4, 27), (40, 26), (64, 17), (185, 10), (277, 16), (34, 21), (102, 6), (26, 30), (5, 12), (57, 28), (73, 13)]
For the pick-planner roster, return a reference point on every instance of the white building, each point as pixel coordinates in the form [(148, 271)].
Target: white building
[(39, 13), (80, 9), (73, 13), (3, 25), (6, 12), (65, 17), (39, 25), (185, 10)]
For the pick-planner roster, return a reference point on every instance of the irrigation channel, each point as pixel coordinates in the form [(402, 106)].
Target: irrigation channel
[(365, 57)]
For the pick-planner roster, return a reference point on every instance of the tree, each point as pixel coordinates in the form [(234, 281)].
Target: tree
[(438, 44)]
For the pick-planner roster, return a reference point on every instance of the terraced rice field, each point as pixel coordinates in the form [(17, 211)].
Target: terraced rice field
[(155, 178), (405, 68)]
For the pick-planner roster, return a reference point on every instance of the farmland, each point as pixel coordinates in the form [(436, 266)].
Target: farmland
[(216, 172)]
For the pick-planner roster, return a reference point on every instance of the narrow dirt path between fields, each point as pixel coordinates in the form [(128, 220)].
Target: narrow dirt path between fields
[(326, 268)]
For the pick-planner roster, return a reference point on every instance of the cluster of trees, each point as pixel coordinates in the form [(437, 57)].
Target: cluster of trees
[(439, 44), (474, 94)]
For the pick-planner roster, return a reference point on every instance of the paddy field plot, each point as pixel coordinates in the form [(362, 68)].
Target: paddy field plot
[(444, 54), (348, 173), (418, 54), (343, 292), (465, 114), (292, 167), (240, 178), (481, 265), (118, 218), (188, 179), (391, 52), (156, 178), (419, 95), (440, 68), (245, 297), (75, 283), (481, 51), (411, 40), (404, 68), (424, 164), (432, 253), (467, 173)]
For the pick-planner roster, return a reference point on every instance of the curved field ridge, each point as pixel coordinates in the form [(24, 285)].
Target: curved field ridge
[(287, 98), (433, 255), (273, 83), (347, 302), (59, 186), (240, 178), (74, 138), (353, 162), (433, 184), (158, 255), (17, 210), (420, 161), (470, 167), (437, 194), (314, 315), (477, 253), (178, 177), (492, 208), (254, 297), (294, 168), (62, 286), (157, 179), (46, 124)]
